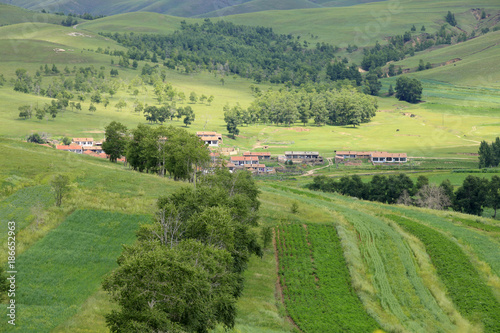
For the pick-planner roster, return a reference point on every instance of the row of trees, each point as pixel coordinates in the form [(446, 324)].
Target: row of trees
[(346, 106), (489, 154), (185, 272), (471, 197), (158, 150)]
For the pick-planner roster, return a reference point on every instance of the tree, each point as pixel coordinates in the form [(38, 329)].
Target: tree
[(92, 108), (188, 115), (408, 89), (483, 14), (493, 194), (39, 113), (372, 84), (210, 99), (96, 97), (59, 186), (413, 28), (232, 120), (390, 92), (113, 72), (193, 97), (486, 157), (35, 138), (433, 197), (120, 105), (421, 65), (66, 141), (116, 140), (450, 18), (422, 29), (470, 197), (78, 106), (391, 71), (25, 111)]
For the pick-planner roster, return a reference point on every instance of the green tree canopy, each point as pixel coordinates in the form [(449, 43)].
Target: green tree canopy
[(408, 89)]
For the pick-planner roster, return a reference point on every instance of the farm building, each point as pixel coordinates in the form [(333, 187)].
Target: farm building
[(303, 156), (84, 142), (244, 160), (211, 141), (261, 156), (374, 156), (384, 157)]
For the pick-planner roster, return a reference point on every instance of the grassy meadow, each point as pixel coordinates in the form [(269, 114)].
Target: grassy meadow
[(389, 267)]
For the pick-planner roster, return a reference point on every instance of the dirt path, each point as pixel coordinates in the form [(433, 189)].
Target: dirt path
[(311, 172)]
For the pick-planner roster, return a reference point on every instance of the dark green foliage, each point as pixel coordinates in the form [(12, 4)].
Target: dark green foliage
[(493, 194), (161, 150), (489, 154), (372, 84), (450, 18), (35, 138), (473, 298), (254, 52), (390, 91), (421, 65), (408, 89), (66, 141), (116, 140), (471, 196), (339, 71), (25, 111), (185, 272), (316, 285)]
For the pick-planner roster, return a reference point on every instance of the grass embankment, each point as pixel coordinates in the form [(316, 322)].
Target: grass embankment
[(315, 280)]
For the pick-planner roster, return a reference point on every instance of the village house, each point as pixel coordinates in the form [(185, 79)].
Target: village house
[(71, 148), (244, 160), (373, 156), (84, 142), (303, 156), (212, 139), (384, 157)]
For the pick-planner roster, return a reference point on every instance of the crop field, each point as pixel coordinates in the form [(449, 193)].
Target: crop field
[(409, 285), (315, 280), (470, 294), (58, 273)]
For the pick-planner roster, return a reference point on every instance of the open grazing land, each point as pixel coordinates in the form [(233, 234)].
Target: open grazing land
[(250, 166)]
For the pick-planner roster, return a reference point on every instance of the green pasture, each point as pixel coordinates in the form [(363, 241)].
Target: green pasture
[(58, 273)]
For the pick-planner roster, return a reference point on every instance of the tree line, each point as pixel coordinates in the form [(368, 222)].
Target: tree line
[(346, 106), (161, 150), (185, 272), (489, 154), (471, 197)]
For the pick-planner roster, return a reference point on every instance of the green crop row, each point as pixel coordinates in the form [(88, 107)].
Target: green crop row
[(471, 295), (316, 284), (58, 273)]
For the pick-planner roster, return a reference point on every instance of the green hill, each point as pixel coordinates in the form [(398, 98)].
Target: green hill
[(188, 8), (12, 14)]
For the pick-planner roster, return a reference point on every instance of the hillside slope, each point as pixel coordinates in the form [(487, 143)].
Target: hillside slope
[(187, 8), (12, 14)]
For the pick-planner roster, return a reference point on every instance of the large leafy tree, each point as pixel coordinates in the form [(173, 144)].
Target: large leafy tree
[(116, 140), (185, 272), (408, 89), (470, 197)]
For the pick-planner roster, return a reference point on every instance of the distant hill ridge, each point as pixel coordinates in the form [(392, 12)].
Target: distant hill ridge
[(185, 8)]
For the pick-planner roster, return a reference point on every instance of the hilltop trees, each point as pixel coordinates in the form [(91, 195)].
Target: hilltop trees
[(489, 154), (450, 18), (408, 89), (184, 274)]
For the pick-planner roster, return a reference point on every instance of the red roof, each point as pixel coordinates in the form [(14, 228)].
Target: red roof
[(244, 158), (209, 138), (349, 152), (70, 147)]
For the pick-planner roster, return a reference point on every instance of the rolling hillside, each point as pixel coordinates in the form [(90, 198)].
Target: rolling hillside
[(12, 14), (188, 8)]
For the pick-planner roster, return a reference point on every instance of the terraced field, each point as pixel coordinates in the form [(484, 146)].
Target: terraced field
[(405, 272)]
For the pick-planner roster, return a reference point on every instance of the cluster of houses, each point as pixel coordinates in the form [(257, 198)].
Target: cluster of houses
[(251, 161), (86, 146)]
